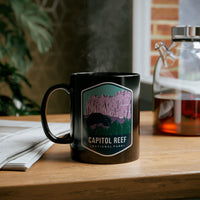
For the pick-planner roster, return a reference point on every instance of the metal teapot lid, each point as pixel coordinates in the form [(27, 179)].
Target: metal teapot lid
[(186, 32)]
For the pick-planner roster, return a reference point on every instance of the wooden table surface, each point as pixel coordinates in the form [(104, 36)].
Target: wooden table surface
[(168, 168)]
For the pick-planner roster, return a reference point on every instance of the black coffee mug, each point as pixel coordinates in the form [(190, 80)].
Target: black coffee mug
[(104, 117)]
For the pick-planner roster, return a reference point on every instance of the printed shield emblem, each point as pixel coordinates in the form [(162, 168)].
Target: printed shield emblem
[(107, 118)]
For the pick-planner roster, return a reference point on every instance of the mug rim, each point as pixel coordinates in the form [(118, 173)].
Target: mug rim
[(106, 74)]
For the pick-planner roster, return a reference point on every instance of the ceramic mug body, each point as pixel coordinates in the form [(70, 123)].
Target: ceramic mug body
[(104, 117)]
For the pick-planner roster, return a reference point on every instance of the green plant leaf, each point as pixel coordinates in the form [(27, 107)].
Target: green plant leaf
[(2, 51), (7, 107), (18, 52), (19, 19), (3, 27), (35, 21), (6, 11)]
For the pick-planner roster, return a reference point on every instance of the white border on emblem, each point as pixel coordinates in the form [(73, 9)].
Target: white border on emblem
[(82, 144)]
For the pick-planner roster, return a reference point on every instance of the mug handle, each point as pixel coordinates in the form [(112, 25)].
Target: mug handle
[(66, 139)]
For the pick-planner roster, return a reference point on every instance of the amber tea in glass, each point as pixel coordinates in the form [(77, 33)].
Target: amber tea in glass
[(177, 115)]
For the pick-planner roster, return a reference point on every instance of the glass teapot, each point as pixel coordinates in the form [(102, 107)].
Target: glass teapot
[(176, 83)]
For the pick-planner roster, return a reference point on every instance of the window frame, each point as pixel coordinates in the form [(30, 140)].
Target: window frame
[(141, 60)]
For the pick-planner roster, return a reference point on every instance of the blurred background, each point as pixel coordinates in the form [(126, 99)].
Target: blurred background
[(93, 35), (87, 35)]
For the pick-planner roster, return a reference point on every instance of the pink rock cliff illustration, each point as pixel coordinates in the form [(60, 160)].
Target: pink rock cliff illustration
[(117, 106)]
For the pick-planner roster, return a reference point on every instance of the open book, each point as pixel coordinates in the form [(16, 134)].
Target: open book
[(22, 143)]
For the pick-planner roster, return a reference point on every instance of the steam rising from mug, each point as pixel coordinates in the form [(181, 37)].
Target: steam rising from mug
[(110, 35)]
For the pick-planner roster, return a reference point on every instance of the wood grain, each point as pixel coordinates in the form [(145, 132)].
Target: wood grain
[(168, 168)]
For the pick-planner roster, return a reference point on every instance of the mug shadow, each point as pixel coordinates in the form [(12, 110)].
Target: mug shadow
[(58, 155)]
